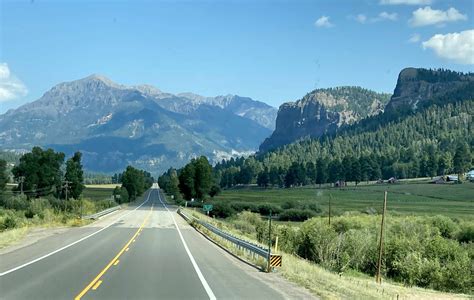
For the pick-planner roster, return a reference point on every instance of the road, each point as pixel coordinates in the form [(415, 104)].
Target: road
[(144, 252)]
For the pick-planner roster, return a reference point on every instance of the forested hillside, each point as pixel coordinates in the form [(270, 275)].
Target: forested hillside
[(435, 141)]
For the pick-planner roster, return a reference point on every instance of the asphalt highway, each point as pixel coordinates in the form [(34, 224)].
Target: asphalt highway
[(143, 252)]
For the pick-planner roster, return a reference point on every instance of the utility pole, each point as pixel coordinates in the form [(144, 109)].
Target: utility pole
[(21, 180), (330, 197), (66, 186), (269, 240), (378, 278)]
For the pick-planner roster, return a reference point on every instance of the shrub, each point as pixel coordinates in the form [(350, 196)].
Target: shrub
[(19, 202), (296, 215), (264, 209), (289, 204), (446, 226), (466, 232), (222, 210), (244, 206)]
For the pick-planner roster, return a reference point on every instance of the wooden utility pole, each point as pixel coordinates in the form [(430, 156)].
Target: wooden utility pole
[(330, 197), (378, 278), (66, 186), (22, 179), (269, 240)]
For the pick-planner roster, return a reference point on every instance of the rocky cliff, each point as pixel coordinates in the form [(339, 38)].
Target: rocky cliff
[(417, 88), (323, 111)]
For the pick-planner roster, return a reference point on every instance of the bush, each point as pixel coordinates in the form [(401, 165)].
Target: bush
[(19, 202), (222, 210), (264, 209), (466, 232), (289, 204), (244, 206), (296, 215), (446, 226)]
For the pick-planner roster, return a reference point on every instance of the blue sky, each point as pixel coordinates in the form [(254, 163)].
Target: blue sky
[(273, 51)]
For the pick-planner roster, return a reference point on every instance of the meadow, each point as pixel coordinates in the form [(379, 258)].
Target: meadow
[(453, 200)]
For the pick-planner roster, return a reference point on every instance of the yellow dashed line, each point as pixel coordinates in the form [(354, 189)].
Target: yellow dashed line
[(97, 285), (94, 284)]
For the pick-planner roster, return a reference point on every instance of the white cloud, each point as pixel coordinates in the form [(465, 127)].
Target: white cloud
[(383, 16), (415, 38), (323, 22), (361, 18), (428, 16), (457, 46), (10, 86), (406, 2)]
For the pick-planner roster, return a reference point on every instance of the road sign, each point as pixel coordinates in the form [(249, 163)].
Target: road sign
[(207, 207), (275, 260)]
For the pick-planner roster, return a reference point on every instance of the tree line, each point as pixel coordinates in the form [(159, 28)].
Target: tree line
[(194, 181), (43, 173)]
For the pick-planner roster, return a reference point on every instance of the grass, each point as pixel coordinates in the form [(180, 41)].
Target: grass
[(12, 236), (454, 200), (103, 186), (95, 192), (329, 285)]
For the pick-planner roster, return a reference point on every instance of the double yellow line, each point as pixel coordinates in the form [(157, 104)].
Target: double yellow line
[(95, 283)]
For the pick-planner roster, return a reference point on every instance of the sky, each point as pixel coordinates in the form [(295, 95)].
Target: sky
[(272, 51)]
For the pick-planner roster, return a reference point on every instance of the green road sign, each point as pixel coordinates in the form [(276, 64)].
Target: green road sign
[(207, 207)]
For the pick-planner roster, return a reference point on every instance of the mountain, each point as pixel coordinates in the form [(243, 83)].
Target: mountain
[(418, 88), (115, 125), (425, 131), (323, 111)]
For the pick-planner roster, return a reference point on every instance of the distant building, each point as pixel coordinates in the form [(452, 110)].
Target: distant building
[(470, 175), (392, 180), (438, 180), (340, 183), (452, 178)]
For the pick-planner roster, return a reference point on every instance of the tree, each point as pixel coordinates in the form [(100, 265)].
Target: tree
[(40, 171), (133, 180), (186, 181), (263, 178), (462, 159), (202, 177), (321, 171), (215, 190), (173, 188), (311, 172), (75, 175), (121, 195), (3, 176), (356, 173)]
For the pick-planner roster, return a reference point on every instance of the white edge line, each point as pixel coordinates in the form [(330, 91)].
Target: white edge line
[(73, 243), (196, 267)]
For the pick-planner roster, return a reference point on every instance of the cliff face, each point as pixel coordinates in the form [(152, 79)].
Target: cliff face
[(420, 87), (321, 111)]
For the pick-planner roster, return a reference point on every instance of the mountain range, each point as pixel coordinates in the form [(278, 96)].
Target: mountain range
[(115, 125)]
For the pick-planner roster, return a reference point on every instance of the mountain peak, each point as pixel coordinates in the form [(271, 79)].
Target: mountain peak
[(99, 78)]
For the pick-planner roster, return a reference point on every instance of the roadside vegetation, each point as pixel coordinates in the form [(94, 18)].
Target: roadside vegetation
[(50, 192), (339, 260)]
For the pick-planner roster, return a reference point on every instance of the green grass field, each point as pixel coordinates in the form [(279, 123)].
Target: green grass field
[(97, 193), (455, 200)]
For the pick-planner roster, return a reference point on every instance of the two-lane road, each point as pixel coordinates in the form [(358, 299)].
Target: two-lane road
[(146, 252)]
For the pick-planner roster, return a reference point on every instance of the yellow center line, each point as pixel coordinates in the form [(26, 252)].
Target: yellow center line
[(97, 285), (94, 282), (116, 262)]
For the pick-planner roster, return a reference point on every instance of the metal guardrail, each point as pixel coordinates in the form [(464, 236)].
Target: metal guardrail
[(239, 242), (102, 213)]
